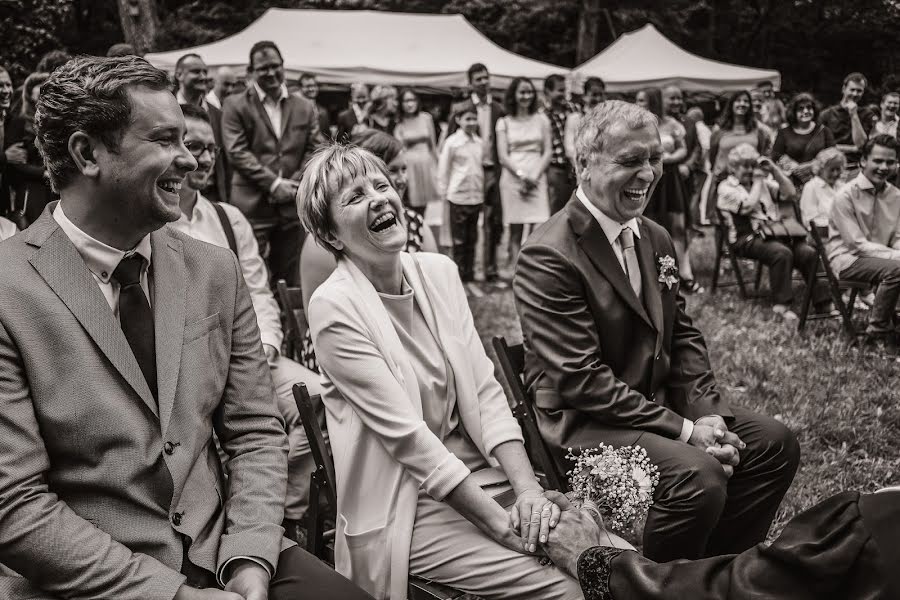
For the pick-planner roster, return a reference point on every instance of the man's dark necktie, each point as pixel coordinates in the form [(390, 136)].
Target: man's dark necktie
[(136, 316)]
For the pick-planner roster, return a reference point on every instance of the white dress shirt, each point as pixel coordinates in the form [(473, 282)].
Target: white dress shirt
[(612, 230), (272, 107), (203, 224), (212, 98), (179, 97), (485, 127), (7, 229), (102, 260)]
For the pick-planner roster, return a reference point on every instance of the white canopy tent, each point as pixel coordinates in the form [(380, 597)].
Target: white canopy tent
[(646, 58), (376, 47)]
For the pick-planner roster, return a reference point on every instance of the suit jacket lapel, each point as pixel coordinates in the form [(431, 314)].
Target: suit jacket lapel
[(650, 281), (287, 111), (256, 103), (168, 308), (601, 254), (59, 263)]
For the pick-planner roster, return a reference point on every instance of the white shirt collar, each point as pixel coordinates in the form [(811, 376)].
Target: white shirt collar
[(611, 228), (200, 207), (477, 101), (282, 94), (179, 97), (100, 258)]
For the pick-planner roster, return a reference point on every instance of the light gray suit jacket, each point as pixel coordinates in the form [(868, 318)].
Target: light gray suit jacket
[(98, 481)]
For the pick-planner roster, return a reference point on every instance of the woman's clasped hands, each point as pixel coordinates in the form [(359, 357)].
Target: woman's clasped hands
[(532, 516)]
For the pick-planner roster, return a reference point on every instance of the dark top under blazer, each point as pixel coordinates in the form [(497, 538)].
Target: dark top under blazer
[(597, 357)]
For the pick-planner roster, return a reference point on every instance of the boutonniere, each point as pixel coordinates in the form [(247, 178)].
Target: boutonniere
[(668, 272)]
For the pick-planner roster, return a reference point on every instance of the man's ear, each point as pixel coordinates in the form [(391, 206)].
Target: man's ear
[(585, 171), (83, 150)]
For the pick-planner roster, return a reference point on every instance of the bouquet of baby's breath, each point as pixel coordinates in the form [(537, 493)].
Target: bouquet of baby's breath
[(615, 483)]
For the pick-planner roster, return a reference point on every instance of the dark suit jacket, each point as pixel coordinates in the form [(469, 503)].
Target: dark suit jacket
[(258, 157), (99, 480), (346, 120), (603, 365), (221, 189)]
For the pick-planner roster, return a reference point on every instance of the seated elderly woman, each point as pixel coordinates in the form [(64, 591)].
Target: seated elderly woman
[(749, 200), (818, 193), (422, 435)]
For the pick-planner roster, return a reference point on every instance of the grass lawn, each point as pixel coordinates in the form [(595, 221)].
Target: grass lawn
[(841, 402)]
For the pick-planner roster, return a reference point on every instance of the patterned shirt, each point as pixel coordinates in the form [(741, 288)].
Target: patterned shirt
[(558, 131)]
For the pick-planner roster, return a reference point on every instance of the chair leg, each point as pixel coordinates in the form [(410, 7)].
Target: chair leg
[(758, 281), (847, 313), (807, 296), (718, 265), (739, 275)]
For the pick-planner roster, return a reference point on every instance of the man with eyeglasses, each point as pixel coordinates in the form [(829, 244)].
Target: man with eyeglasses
[(224, 225), (268, 136)]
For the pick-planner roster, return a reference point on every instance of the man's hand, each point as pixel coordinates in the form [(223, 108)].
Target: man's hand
[(250, 580), (851, 106), (188, 593), (16, 154), (576, 531), (533, 515), (285, 191), (712, 436), (271, 354)]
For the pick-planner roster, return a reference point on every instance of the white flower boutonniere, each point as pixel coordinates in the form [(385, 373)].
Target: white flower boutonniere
[(668, 272)]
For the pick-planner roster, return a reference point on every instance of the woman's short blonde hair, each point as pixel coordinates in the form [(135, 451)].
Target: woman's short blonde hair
[(380, 93), (324, 176), (827, 156), (740, 154)]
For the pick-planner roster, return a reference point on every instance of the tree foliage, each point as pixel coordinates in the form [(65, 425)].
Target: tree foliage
[(814, 43)]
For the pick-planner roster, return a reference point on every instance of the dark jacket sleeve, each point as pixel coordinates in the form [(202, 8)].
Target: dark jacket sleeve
[(560, 328), (237, 145)]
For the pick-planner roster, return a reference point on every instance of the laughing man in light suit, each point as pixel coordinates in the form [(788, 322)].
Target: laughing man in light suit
[(124, 345), (613, 357)]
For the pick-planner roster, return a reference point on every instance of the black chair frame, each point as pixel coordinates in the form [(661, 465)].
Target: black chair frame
[(294, 318), (725, 249)]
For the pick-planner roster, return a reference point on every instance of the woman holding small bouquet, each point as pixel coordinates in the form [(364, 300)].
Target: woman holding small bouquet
[(432, 475)]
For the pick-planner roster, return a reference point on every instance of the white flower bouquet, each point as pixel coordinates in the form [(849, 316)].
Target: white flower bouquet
[(616, 484)]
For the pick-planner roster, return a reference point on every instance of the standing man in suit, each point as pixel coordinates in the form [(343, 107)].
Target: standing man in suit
[(224, 84), (124, 346), (268, 135), (489, 111), (309, 87), (191, 76), (612, 356), (356, 114)]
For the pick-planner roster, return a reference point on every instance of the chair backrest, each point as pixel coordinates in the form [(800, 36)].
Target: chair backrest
[(324, 473), (512, 365), (291, 301)]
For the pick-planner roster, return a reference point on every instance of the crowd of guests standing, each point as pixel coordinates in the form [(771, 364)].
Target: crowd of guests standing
[(424, 441)]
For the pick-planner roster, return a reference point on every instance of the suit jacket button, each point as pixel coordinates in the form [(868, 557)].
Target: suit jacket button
[(176, 519), (169, 448), (653, 396), (658, 356)]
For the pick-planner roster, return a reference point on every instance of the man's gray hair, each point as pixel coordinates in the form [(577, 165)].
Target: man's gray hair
[(597, 122), (359, 85)]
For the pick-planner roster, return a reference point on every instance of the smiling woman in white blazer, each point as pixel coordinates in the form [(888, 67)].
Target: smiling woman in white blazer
[(422, 435)]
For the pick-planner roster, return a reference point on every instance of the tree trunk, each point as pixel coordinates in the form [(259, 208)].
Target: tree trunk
[(588, 30), (140, 23), (711, 29)]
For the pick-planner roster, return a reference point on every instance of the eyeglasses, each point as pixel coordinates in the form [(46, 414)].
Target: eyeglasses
[(198, 148)]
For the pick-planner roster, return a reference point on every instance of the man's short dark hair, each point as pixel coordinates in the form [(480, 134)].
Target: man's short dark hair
[(552, 82), (882, 139), (886, 94), (121, 49), (192, 111), (88, 94), (592, 81), (476, 68), (304, 76), (52, 60), (185, 57), (856, 77), (259, 47)]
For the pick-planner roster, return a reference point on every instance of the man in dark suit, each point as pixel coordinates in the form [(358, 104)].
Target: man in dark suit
[(355, 114), (191, 76), (309, 87), (124, 346), (489, 112), (269, 135), (612, 357)]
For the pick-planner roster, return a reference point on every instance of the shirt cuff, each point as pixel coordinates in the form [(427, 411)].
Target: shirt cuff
[(220, 576), (275, 184), (687, 429)]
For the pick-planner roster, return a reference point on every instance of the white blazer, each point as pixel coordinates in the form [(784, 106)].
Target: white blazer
[(384, 452)]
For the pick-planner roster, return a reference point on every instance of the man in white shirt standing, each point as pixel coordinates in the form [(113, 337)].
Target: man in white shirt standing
[(224, 84), (223, 225)]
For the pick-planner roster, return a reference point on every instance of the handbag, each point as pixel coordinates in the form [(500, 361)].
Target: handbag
[(785, 230)]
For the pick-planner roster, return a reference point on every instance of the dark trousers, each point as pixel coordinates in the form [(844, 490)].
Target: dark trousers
[(464, 229), (299, 575), (847, 546), (697, 511), (492, 221), (782, 258), (886, 274), (280, 242), (561, 182)]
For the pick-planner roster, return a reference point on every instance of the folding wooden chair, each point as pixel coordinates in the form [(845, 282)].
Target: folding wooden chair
[(725, 249), (323, 487), (836, 287), (294, 318), (512, 365)]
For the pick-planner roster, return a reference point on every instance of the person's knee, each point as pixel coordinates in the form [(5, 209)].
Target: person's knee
[(891, 275), (778, 449), (700, 484), (779, 254)]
